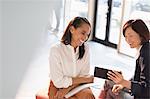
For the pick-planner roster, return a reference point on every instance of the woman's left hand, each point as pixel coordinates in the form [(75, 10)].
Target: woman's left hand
[(117, 88), (115, 76)]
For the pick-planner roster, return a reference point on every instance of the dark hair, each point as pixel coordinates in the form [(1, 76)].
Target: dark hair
[(140, 28), (67, 36)]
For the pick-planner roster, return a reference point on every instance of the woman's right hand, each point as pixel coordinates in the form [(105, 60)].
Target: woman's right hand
[(115, 76)]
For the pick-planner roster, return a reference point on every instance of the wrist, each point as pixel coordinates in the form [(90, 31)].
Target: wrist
[(126, 83)]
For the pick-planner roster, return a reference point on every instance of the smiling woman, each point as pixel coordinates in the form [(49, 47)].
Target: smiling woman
[(69, 61), (137, 36)]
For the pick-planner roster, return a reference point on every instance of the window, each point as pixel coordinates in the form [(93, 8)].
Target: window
[(75, 8), (108, 20)]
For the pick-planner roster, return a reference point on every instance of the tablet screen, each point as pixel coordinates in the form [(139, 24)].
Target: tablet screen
[(101, 72)]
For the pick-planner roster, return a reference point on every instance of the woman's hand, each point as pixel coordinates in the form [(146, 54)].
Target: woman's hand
[(83, 80), (117, 88), (115, 76), (61, 93)]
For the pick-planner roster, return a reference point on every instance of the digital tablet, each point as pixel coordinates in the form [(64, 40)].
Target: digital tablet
[(101, 72)]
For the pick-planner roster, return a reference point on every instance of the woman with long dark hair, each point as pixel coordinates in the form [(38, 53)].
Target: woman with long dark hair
[(69, 61)]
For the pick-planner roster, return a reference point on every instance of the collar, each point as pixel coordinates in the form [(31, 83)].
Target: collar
[(72, 48), (138, 52)]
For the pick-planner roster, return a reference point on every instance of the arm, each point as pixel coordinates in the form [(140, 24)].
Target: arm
[(77, 81), (83, 76), (56, 73), (121, 83), (81, 80), (57, 76), (119, 80), (141, 82), (140, 86)]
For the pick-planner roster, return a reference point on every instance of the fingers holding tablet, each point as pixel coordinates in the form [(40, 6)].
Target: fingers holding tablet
[(108, 74)]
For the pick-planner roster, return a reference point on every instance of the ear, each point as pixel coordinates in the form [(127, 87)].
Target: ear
[(71, 29)]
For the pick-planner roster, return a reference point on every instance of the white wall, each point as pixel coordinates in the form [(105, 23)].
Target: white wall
[(0, 51), (23, 23)]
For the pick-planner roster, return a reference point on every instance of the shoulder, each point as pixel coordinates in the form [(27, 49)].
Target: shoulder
[(56, 47), (145, 49), (147, 45)]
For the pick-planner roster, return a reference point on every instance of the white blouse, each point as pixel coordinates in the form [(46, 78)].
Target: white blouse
[(64, 64)]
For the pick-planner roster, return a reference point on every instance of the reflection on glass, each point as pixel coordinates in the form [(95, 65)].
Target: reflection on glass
[(142, 5), (79, 8), (75, 8), (115, 23), (102, 10)]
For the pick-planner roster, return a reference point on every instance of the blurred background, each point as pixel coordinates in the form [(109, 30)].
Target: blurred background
[(29, 27)]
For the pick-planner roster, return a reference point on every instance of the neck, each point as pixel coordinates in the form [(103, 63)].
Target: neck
[(73, 45), (138, 47)]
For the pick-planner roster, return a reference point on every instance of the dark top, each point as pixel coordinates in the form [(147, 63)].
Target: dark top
[(140, 86)]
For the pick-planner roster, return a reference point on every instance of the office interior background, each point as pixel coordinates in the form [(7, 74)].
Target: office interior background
[(25, 37)]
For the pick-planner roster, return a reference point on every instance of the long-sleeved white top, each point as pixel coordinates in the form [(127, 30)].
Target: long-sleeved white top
[(64, 64)]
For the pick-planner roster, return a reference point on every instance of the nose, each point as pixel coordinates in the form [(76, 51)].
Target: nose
[(85, 37)]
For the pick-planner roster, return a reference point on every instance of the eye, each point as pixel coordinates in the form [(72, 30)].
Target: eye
[(130, 35), (83, 33)]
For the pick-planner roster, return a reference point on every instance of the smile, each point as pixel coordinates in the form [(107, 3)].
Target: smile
[(81, 41)]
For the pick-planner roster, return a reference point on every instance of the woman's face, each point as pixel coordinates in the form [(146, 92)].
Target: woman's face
[(132, 38), (80, 34)]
